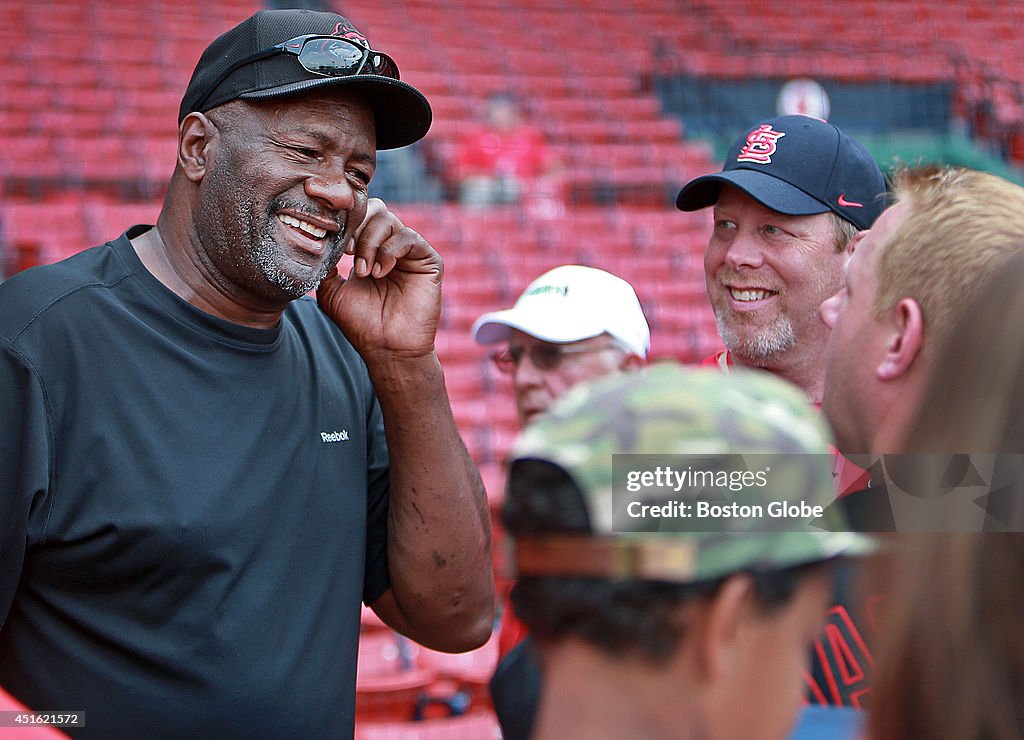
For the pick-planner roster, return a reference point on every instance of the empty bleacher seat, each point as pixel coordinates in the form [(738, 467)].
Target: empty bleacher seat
[(479, 725), (390, 676)]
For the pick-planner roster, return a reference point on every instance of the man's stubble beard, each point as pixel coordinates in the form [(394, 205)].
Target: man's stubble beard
[(758, 349), (267, 258)]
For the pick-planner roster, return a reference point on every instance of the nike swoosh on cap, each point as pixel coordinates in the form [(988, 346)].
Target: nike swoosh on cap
[(848, 203)]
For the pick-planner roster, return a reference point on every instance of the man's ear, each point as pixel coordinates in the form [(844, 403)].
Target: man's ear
[(851, 245), (195, 136), (720, 634), (905, 340)]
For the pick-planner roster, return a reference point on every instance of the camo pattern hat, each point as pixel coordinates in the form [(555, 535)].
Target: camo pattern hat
[(743, 421)]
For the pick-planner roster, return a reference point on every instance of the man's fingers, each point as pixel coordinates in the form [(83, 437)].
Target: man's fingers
[(382, 240), (401, 245), (377, 228)]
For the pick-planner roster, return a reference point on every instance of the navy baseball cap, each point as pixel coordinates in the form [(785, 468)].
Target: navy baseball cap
[(799, 166), (402, 114)]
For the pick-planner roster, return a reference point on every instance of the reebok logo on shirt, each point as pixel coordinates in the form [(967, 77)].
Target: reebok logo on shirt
[(341, 436)]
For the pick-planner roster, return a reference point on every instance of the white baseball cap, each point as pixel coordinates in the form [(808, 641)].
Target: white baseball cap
[(568, 304)]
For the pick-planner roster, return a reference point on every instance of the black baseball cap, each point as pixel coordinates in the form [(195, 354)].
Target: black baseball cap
[(401, 112), (799, 166)]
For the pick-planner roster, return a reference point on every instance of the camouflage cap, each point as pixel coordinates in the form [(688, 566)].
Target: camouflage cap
[(669, 410)]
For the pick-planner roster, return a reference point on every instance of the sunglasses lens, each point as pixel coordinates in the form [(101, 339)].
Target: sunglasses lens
[(331, 57), (545, 358), (382, 64)]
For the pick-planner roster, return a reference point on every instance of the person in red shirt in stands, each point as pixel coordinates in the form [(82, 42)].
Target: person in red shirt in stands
[(505, 160)]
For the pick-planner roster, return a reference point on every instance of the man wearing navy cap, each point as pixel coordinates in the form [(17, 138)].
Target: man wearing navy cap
[(792, 194), (791, 197), (203, 471)]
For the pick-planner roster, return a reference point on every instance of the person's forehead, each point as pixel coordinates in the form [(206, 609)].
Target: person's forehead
[(870, 246), (330, 122), (890, 220)]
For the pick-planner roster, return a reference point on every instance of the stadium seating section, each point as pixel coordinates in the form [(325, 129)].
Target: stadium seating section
[(89, 94)]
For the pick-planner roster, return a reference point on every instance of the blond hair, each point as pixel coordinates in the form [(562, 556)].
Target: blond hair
[(843, 231), (960, 225)]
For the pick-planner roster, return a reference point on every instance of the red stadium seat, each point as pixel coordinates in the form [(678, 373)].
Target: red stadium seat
[(480, 725), (474, 667), (390, 678), (370, 622)]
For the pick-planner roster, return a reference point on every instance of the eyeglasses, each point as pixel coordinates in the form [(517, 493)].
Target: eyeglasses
[(328, 56), (544, 357)]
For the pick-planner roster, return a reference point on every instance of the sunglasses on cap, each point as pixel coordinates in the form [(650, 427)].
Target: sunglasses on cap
[(328, 56), (544, 357)]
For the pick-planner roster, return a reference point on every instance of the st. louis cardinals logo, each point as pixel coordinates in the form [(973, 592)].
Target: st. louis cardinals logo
[(761, 144), (348, 31)]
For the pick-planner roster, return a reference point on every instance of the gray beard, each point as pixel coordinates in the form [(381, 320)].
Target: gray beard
[(266, 250), (757, 350)]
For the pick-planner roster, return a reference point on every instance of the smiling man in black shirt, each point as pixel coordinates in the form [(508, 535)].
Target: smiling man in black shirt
[(202, 471)]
